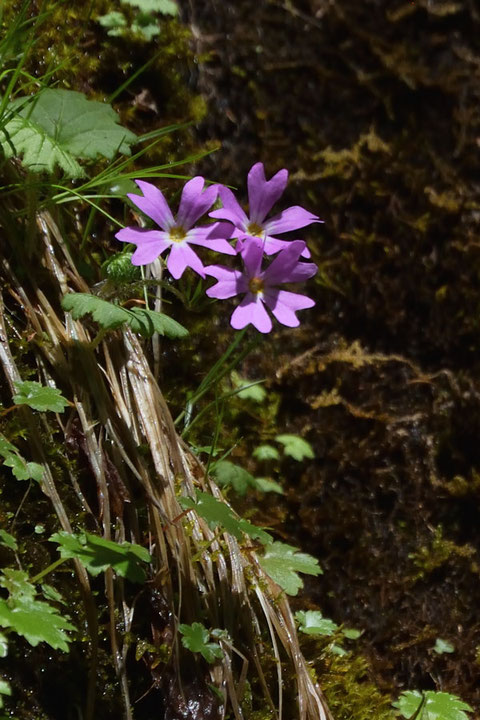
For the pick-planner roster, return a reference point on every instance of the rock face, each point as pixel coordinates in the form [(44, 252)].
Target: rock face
[(374, 108)]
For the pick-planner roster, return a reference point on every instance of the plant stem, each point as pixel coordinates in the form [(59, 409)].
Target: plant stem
[(47, 570)]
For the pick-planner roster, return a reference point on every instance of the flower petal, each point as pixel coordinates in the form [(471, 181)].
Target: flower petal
[(251, 311), (231, 210), (286, 266), (274, 245), (230, 282), (213, 237), (153, 204), (150, 243), (251, 250), (290, 219), (285, 304), (194, 203), (263, 194), (182, 256)]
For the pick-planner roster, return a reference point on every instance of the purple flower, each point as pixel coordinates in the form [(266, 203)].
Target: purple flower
[(260, 286), (176, 233), (262, 195)]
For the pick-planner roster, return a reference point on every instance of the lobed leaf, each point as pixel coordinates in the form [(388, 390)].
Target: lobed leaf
[(295, 446), (266, 452), (312, 622), (110, 316), (97, 554), (39, 397), (35, 620), (22, 469), (438, 705), (217, 513), (8, 540), (165, 7), (227, 473), (58, 126), (283, 563), (195, 638)]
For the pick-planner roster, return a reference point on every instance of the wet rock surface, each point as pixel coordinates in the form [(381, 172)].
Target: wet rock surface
[(374, 109)]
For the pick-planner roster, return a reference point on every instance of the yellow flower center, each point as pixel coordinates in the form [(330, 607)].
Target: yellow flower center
[(254, 230), (177, 233), (255, 285)]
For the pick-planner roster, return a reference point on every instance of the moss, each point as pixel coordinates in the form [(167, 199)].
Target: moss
[(349, 691), (438, 553)]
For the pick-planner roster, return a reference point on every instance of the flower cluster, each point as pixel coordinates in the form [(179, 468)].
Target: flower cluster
[(255, 236)]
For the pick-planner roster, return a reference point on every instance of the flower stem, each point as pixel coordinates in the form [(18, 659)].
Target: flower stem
[(221, 368)]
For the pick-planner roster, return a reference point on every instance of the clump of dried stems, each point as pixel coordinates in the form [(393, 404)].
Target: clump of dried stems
[(117, 407)]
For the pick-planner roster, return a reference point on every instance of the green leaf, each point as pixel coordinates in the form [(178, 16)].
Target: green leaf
[(97, 554), (351, 633), (111, 316), (253, 390), (227, 473), (35, 620), (311, 622), (107, 314), (3, 645), (266, 452), (165, 7), (147, 322), (39, 397), (6, 447), (438, 705), (5, 689), (147, 29), (443, 646), (50, 593), (24, 470), (17, 584), (196, 637), (217, 513), (338, 650), (282, 562), (59, 126), (8, 540), (113, 21), (295, 447), (267, 485), (120, 269)]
